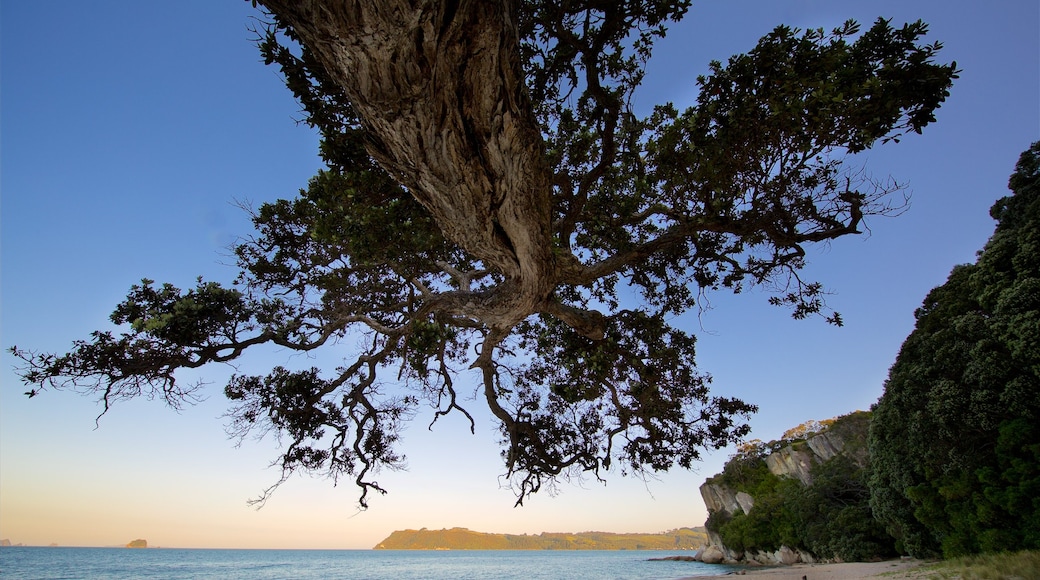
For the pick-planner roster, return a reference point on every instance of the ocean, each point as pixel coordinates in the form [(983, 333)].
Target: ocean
[(174, 564)]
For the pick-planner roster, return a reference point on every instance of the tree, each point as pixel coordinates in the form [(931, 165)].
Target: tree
[(489, 200), (954, 442), (806, 429)]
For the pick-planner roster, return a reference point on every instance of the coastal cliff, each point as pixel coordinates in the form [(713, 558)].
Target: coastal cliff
[(802, 498)]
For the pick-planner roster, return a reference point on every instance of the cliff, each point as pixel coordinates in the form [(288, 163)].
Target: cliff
[(464, 539), (797, 518), (793, 460)]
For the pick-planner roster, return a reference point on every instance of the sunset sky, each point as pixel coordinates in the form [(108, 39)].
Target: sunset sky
[(129, 132)]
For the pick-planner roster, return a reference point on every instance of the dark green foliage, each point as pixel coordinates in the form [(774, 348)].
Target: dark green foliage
[(746, 473), (830, 518), (813, 93), (654, 211), (834, 513), (954, 443), (1013, 486), (769, 524)]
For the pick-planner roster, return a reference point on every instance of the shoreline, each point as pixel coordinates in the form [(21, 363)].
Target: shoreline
[(902, 568)]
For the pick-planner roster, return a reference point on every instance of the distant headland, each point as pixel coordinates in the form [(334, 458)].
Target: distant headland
[(464, 539), (138, 543)]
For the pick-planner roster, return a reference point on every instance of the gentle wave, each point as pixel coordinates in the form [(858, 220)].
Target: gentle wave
[(175, 564)]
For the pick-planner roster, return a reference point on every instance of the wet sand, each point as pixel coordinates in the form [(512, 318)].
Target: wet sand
[(894, 569)]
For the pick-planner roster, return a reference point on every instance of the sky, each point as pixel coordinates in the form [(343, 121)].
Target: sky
[(131, 131)]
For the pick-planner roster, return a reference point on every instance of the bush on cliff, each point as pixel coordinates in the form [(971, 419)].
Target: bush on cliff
[(830, 519)]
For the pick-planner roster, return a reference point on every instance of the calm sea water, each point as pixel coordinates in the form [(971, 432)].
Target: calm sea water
[(168, 563)]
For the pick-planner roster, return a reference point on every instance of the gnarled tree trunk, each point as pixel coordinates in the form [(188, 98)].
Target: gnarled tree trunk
[(439, 87)]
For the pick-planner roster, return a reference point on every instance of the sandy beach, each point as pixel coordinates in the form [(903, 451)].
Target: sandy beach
[(850, 571)]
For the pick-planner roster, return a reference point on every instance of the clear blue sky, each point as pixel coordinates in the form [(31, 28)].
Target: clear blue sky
[(130, 129)]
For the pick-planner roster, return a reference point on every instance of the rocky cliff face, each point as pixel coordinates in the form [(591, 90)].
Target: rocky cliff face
[(720, 498), (793, 460), (796, 460)]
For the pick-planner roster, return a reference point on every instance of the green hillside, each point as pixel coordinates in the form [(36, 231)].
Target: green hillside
[(464, 539)]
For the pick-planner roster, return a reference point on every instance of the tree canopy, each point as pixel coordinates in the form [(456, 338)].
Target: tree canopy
[(955, 446), (492, 201)]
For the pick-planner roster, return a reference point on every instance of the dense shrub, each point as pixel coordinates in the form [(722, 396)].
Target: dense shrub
[(954, 442)]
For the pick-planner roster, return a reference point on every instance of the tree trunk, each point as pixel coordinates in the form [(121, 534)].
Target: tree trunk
[(440, 90)]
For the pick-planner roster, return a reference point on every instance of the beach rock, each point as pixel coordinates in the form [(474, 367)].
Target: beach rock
[(728, 554), (712, 555), (787, 556), (674, 559), (759, 558)]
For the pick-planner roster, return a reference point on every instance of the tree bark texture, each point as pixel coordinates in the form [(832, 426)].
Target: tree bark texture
[(439, 87)]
